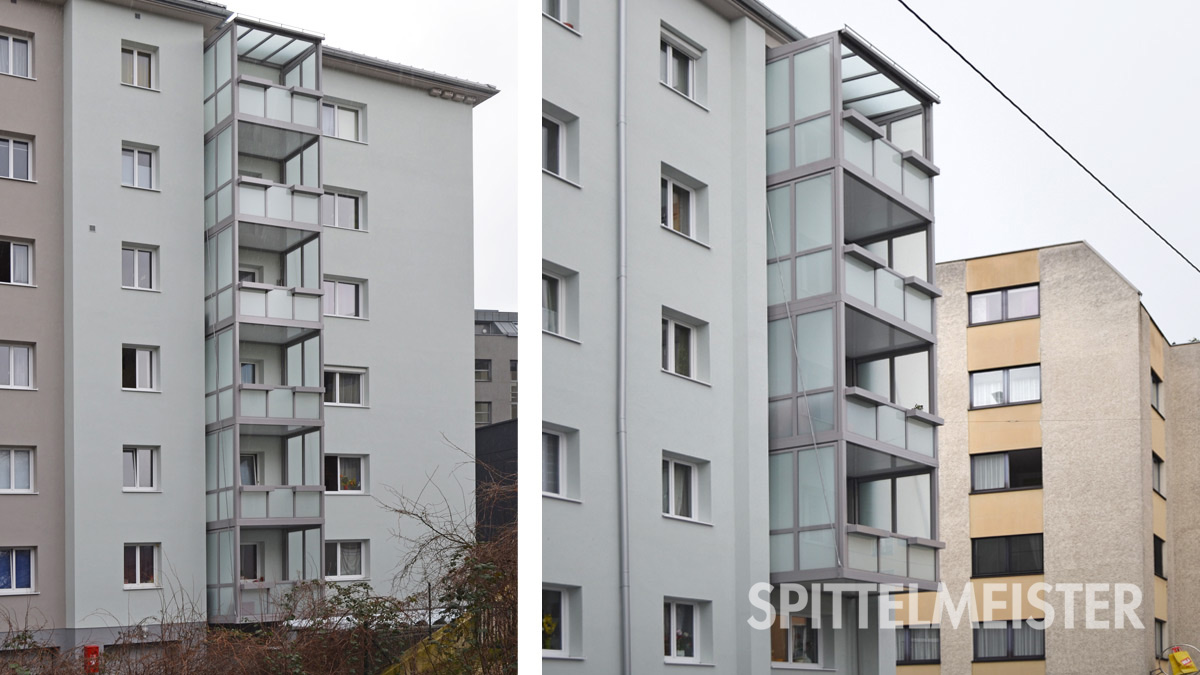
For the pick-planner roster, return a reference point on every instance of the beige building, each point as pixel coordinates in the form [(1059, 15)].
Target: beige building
[(1066, 410)]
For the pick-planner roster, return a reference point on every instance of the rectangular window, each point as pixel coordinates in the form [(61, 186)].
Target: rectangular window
[(344, 211), (343, 474), (16, 366), (552, 463), (139, 368), (918, 644), (137, 67), (551, 304), (15, 56), (1160, 638), (1007, 386), (1156, 475), (554, 622), (552, 145), (139, 468), (137, 168), (679, 631), (340, 121), (678, 352), (16, 470), (343, 298), (248, 470), (1004, 556), (137, 268), (1156, 392), (483, 370), (17, 571), (1160, 568), (552, 9), (345, 388), (249, 566), (678, 206), (1012, 470), (16, 158), (250, 373), (16, 262), (141, 563), (483, 412), (1008, 641), (679, 488), (512, 400), (344, 560), (1009, 304), (676, 68), (798, 642), (512, 370)]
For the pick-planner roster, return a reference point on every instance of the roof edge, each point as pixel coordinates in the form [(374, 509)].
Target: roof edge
[(770, 19), (445, 86)]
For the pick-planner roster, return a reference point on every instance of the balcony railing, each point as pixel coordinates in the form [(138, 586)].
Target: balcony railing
[(275, 302), (906, 298), (265, 199), (904, 171), (875, 551), (260, 98), (260, 400), (276, 501), (869, 415)]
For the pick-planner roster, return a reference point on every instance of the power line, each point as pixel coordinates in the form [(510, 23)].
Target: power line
[(1049, 136)]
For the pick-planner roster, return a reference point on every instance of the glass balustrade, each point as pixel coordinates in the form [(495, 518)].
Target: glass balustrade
[(896, 169), (273, 302), (281, 104), (883, 288), (266, 501), (279, 402), (891, 555), (889, 424), (279, 202)]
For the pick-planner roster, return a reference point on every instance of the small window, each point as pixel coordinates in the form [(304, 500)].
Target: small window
[(678, 348), (16, 262), (137, 67), (1160, 638), (138, 268), (343, 298), (918, 644), (344, 210), (552, 464), (344, 474), (341, 121), (679, 631), (137, 168), (512, 370), (554, 622), (679, 488), (248, 469), (1156, 475), (1003, 556), (17, 571), (799, 642), (1160, 568), (678, 207), (1156, 392), (1012, 470), (16, 159), (139, 368), (16, 366), (140, 469), (483, 370), (249, 275), (251, 554), (1004, 305), (512, 400), (552, 304), (250, 372), (483, 412), (141, 565), (677, 68), (344, 560), (1007, 386), (15, 56), (345, 388), (1008, 641), (16, 470), (553, 138)]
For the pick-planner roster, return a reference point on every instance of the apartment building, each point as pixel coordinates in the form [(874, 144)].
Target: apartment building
[(738, 336), (217, 222), (1065, 459), (495, 366)]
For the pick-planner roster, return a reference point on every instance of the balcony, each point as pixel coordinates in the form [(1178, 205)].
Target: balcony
[(258, 97), (904, 171), (260, 198), (271, 502), (282, 403), (874, 417), (266, 301), (868, 279), (877, 551)]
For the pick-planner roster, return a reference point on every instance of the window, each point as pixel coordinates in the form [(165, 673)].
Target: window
[(250, 557), (343, 298), (15, 56), (344, 211), (1001, 556), (137, 268), (1005, 305), (139, 368), (554, 619), (1012, 470), (552, 464), (250, 373), (799, 642), (1156, 475), (512, 400), (677, 203), (344, 474), (16, 159), (1160, 569), (551, 304), (16, 262), (483, 412), (483, 370), (137, 67), (512, 370), (918, 644), (137, 168), (560, 142), (141, 563), (139, 468), (1008, 386), (552, 145), (678, 348), (16, 470), (677, 68), (679, 631), (344, 560), (1160, 638), (16, 366), (903, 505), (679, 488), (1008, 640), (340, 121), (17, 571), (1156, 392), (248, 469), (345, 388)]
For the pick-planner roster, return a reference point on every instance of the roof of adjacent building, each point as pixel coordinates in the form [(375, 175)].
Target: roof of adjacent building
[(505, 322), (443, 86)]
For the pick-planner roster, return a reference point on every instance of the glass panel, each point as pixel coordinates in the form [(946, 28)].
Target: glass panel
[(146, 564), (921, 563), (126, 164), (812, 81), (145, 470), (254, 403), (814, 212), (5, 470), (860, 417), (126, 61), (681, 72), (20, 63), (860, 280), (777, 95), (127, 267), (308, 505), (987, 472), (1022, 302), (779, 282), (1025, 469), (887, 165), (779, 151), (912, 380), (252, 100), (144, 376), (908, 134), (916, 185), (814, 335), (816, 550), (1024, 384), (783, 555), (875, 504), (683, 490), (279, 503), (864, 554), (350, 388), (129, 468), (308, 406), (779, 222), (223, 71), (20, 356), (814, 274), (889, 293), (279, 203), (347, 299), (910, 255), (891, 425), (913, 506), (279, 403), (683, 350), (989, 556), (347, 123), (685, 630), (225, 359), (893, 556), (310, 278), (986, 307), (813, 142), (781, 415), (279, 104), (782, 509), (875, 377), (305, 207), (815, 469), (1025, 554), (918, 309), (144, 269), (1029, 641), (143, 70), (22, 470), (817, 409), (920, 437), (858, 148), (304, 110), (991, 639)]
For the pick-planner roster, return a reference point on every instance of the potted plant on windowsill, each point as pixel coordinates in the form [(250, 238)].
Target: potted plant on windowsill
[(349, 483)]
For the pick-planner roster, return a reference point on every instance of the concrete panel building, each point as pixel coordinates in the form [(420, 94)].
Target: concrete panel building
[(495, 366), (216, 225)]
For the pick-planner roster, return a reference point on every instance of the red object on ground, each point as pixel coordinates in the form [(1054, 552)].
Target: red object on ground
[(91, 658)]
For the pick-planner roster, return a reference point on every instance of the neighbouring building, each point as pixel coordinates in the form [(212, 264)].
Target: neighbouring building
[(738, 336), (213, 227), (495, 366)]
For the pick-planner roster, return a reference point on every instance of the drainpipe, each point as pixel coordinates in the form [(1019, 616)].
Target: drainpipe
[(622, 346)]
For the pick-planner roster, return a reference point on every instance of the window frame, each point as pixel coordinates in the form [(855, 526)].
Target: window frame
[(1160, 639), (560, 149), (12, 259), (1007, 472), (559, 450), (667, 188), (12, 451), (11, 145), (336, 390), (31, 362), (1156, 393), (258, 561), (156, 563), (1010, 643), (359, 122), (360, 220), (671, 647), (562, 628), (155, 469), (668, 47), (1004, 317), (12, 571), (1004, 386), (134, 52), (12, 39), (138, 151), (1008, 565), (359, 298), (153, 276), (362, 474), (488, 411), (1157, 482), (362, 560), (669, 463), (486, 370), (671, 325), (153, 365), (559, 295), (1160, 557), (905, 658)]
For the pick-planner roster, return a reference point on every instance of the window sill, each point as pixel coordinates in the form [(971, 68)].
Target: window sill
[(18, 492), (685, 97), (562, 23), (341, 316), (148, 491), (144, 290), (9, 388), (143, 391), (685, 236), (143, 189), (19, 593), (681, 662), (347, 229), (568, 181), (992, 323), (347, 493), (1009, 659), (1003, 405), (348, 140), (685, 377), (1159, 493), (9, 283), (20, 77), (329, 404), (1003, 490), (1159, 576), (682, 519), (560, 657), (1161, 416), (19, 180), (138, 86), (560, 336), (561, 498), (803, 666), (142, 587), (356, 577), (1008, 574)]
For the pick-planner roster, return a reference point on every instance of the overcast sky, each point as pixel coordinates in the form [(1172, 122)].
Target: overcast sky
[(474, 40), (1106, 78)]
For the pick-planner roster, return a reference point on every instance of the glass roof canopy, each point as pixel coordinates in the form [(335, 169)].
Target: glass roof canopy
[(259, 45), (873, 85)]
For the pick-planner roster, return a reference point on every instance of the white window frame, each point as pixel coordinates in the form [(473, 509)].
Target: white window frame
[(694, 504), (362, 475), (337, 388), (11, 145), (560, 449), (561, 129), (137, 153), (137, 574), (673, 630), (12, 362), (359, 208), (362, 560), (12, 267), (12, 570), (359, 111), (671, 366), (489, 412), (258, 561), (154, 367), (564, 611), (138, 451), (331, 291), (559, 284), (28, 40), (791, 637), (668, 78), (666, 209), (153, 267), (141, 51), (12, 471)]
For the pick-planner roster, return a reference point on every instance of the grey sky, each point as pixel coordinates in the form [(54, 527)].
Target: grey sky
[(1106, 78), (475, 40)]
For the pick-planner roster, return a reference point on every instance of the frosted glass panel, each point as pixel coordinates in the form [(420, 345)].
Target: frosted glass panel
[(782, 509), (783, 556), (781, 423), (777, 95), (312, 452), (875, 377), (779, 282), (225, 404), (860, 417), (312, 362), (814, 274), (213, 556), (778, 151), (225, 557), (295, 460), (254, 504), (305, 208), (295, 366), (308, 406), (887, 165), (210, 364), (295, 555), (891, 425), (224, 103), (311, 163), (225, 358), (305, 110), (779, 358), (252, 100), (312, 553), (308, 504), (279, 403), (858, 147), (311, 279), (279, 504), (209, 71), (223, 53), (254, 303), (225, 257), (920, 437), (918, 309), (210, 166), (812, 83), (252, 201), (279, 203), (224, 155), (863, 552), (814, 335), (910, 255), (279, 104), (875, 504), (816, 550), (224, 202), (279, 304), (916, 185), (889, 293), (913, 506), (909, 134), (254, 403), (306, 308), (779, 222), (814, 212), (860, 280), (813, 143), (912, 380), (893, 557), (817, 409), (816, 489), (921, 560)]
